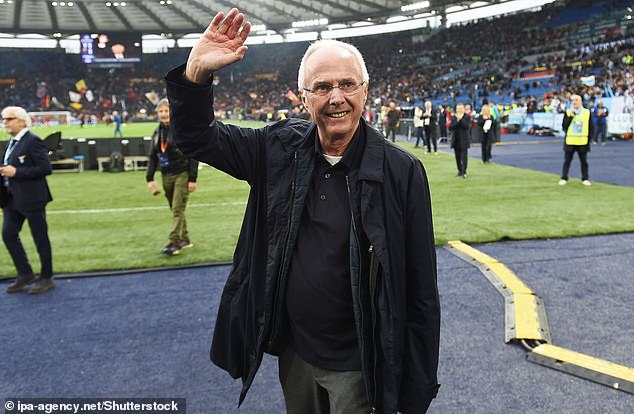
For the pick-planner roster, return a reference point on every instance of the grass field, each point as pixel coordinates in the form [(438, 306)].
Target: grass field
[(102, 221), (137, 129)]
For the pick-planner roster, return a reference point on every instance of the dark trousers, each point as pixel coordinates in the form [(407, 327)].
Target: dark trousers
[(486, 147), (600, 130), (583, 158), (311, 390), (443, 129), (430, 138), (392, 129), (11, 226), (419, 135), (461, 159)]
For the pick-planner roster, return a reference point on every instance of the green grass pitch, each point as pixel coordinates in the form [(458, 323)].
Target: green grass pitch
[(107, 221)]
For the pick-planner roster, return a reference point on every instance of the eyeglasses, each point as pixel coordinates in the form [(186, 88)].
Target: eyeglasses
[(324, 89), (8, 119)]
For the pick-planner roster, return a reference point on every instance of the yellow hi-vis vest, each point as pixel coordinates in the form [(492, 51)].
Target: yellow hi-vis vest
[(578, 130)]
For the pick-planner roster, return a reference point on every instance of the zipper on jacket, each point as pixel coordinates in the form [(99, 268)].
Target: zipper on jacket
[(276, 302), (373, 308), (356, 236)]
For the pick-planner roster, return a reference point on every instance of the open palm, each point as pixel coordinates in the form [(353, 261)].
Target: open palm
[(221, 44)]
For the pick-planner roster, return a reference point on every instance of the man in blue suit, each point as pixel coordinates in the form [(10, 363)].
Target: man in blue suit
[(24, 194)]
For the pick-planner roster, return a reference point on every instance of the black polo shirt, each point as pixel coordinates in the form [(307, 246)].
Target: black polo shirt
[(319, 313)]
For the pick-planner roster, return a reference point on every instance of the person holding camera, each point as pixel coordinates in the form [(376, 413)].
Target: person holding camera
[(179, 175)]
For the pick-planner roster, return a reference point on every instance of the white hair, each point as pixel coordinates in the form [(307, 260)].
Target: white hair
[(330, 43), (162, 102), (19, 113)]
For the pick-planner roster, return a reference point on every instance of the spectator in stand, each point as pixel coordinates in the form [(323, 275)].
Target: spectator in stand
[(579, 130), (460, 127), (178, 174), (486, 126), (601, 113), (430, 127), (393, 122), (116, 118), (419, 124)]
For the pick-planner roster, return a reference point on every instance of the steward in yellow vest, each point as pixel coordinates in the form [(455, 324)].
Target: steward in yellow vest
[(578, 127)]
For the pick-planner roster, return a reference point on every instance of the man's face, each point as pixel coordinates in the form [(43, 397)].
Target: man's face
[(336, 114), (576, 101), (164, 114), (460, 110), (427, 106), (12, 124)]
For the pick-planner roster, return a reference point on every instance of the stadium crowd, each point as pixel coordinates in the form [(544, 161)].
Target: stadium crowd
[(531, 59)]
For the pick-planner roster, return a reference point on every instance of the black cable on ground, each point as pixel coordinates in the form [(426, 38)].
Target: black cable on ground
[(526, 345)]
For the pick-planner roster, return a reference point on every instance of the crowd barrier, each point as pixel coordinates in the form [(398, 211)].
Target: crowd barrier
[(620, 119)]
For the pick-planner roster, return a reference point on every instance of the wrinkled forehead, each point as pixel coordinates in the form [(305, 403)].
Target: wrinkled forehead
[(331, 63)]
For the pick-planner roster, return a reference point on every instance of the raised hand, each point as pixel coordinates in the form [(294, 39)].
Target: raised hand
[(221, 44)]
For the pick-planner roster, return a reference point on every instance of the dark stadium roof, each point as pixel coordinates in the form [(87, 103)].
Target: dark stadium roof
[(188, 16)]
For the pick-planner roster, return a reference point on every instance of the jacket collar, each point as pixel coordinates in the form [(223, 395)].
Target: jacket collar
[(372, 162), (20, 134)]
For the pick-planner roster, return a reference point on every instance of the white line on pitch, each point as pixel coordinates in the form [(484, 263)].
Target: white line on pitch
[(120, 210)]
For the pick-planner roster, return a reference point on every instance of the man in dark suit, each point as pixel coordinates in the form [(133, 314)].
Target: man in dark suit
[(24, 194), (461, 136)]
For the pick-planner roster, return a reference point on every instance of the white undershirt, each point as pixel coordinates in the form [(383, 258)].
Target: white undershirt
[(333, 159)]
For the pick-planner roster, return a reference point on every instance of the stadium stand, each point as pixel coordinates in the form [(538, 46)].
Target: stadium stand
[(507, 59)]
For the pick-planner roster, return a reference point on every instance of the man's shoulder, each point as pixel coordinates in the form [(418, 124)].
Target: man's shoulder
[(290, 128), (397, 154), (30, 136)]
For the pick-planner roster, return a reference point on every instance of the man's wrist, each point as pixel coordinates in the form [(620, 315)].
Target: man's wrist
[(196, 77)]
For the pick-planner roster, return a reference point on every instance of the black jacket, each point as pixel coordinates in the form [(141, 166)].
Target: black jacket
[(395, 297), (29, 188), (178, 163), (490, 134), (461, 132)]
